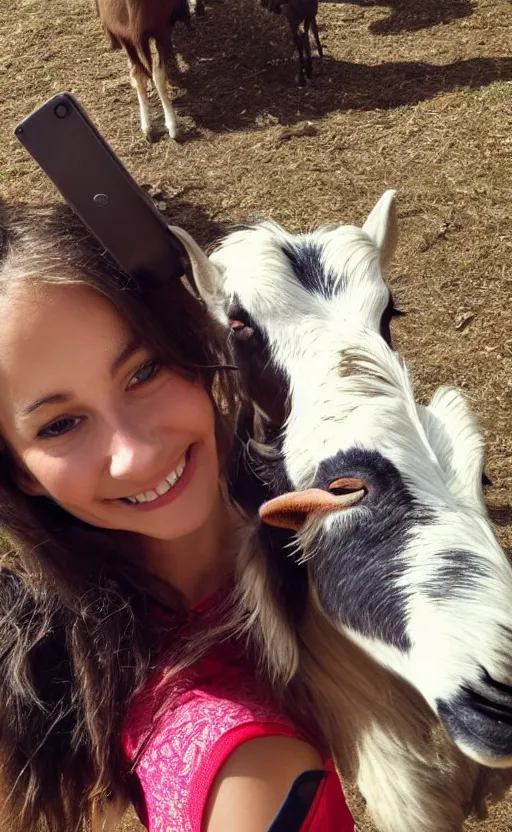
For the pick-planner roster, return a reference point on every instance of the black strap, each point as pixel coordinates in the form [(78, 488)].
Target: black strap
[(298, 802)]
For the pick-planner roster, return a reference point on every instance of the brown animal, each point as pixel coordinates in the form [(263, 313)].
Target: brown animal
[(300, 13), (132, 25)]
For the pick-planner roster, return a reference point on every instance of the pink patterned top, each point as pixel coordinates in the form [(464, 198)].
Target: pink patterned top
[(219, 705)]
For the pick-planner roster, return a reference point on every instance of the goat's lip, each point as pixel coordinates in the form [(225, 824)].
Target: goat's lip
[(481, 726), (292, 510)]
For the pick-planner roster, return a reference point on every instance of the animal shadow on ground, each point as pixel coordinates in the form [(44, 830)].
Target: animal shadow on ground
[(242, 69), (501, 515), (193, 218), (413, 15)]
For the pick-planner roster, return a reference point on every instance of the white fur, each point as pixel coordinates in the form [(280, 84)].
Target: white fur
[(160, 82), (140, 83), (349, 390)]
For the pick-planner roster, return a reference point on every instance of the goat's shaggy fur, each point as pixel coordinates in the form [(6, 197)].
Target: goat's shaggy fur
[(346, 390)]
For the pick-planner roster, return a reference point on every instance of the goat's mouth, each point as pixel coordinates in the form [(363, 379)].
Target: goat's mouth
[(294, 509), (480, 722)]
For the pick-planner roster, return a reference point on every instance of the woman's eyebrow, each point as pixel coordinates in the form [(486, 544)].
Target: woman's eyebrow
[(53, 398), (127, 351)]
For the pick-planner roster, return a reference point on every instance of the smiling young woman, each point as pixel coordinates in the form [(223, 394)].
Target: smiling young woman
[(122, 542)]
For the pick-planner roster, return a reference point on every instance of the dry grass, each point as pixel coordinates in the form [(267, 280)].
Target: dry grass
[(413, 94)]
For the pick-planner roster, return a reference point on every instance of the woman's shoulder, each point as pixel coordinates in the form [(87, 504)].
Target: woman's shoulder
[(214, 738), (180, 735), (277, 784)]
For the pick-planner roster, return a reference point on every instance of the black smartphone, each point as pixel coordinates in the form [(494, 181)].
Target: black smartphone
[(74, 155)]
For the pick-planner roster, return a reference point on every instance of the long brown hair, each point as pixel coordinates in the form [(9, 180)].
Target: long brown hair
[(75, 638)]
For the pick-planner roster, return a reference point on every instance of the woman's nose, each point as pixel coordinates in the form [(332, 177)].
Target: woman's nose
[(134, 455)]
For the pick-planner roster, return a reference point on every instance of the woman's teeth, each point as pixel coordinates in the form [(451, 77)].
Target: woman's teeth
[(162, 487)]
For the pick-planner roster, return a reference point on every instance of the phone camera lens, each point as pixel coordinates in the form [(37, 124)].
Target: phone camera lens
[(61, 110)]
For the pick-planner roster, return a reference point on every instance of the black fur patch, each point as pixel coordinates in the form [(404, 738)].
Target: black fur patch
[(481, 717), (306, 262), (254, 480), (389, 313), (266, 384), (458, 574), (356, 572)]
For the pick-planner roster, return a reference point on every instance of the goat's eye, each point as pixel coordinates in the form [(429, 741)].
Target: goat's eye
[(347, 485)]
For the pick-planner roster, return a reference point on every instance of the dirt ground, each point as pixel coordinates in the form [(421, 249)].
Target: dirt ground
[(412, 94)]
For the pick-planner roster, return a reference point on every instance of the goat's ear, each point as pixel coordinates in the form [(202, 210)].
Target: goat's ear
[(203, 278), (455, 436), (293, 510), (382, 226)]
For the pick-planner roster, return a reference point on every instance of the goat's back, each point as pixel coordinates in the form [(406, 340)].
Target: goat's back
[(132, 21)]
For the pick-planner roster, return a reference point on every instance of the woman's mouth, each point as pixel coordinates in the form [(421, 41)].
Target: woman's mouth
[(166, 490)]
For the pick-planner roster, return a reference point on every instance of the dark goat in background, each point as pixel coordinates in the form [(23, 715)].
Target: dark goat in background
[(300, 13)]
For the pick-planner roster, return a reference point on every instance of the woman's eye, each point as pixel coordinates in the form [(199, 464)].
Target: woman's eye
[(59, 427), (145, 373)]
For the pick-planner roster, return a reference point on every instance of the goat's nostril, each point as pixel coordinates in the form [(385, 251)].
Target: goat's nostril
[(347, 485), (240, 330)]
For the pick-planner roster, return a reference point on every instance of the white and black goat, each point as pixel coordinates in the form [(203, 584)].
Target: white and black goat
[(384, 497)]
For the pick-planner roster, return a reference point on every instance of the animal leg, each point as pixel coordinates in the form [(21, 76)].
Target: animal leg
[(160, 82), (307, 48), (139, 81), (298, 39), (197, 8), (314, 29)]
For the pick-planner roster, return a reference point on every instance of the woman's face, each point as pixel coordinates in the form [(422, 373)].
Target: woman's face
[(116, 439)]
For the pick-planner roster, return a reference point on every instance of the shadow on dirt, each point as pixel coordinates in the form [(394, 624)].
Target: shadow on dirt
[(413, 15), (501, 515), (242, 70), (194, 218)]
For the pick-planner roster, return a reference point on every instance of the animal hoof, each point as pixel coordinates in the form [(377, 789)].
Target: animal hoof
[(301, 81), (151, 135)]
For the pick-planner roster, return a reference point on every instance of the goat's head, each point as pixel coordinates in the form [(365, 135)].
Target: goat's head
[(388, 511), (267, 283), (385, 495)]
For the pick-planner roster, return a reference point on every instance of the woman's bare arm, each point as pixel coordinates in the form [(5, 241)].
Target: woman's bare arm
[(253, 783)]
